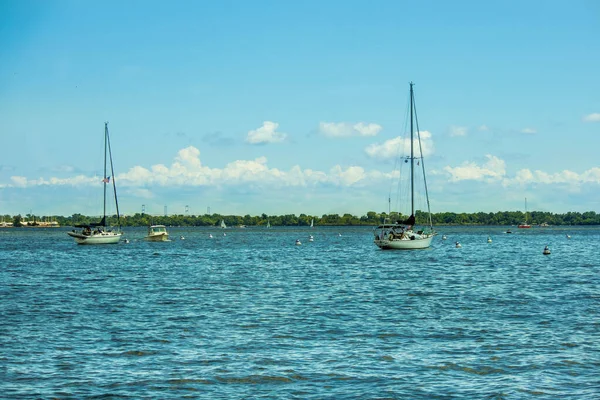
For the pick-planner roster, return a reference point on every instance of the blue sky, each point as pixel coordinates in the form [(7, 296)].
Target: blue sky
[(276, 107)]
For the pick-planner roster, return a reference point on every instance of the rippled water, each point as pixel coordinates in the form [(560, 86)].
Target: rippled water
[(251, 315)]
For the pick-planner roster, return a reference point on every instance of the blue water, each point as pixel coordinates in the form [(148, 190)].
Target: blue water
[(251, 315)]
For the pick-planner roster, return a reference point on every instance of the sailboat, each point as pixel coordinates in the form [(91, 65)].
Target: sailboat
[(402, 234), (223, 226), (312, 223), (525, 224), (268, 224), (97, 233)]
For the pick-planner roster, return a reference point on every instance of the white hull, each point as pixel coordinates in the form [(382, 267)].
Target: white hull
[(98, 238), (404, 244), (158, 238)]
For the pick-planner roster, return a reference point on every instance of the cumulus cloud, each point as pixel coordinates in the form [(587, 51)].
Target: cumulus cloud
[(494, 169), (593, 117), (528, 130), (400, 146), (458, 131), (267, 133), (344, 129), (187, 170), (526, 176)]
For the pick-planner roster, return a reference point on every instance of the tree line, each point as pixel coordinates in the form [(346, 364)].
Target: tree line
[(370, 218)]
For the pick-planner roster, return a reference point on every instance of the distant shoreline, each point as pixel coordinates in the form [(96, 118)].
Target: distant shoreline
[(537, 219)]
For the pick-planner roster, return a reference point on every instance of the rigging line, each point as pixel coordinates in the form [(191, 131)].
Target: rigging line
[(112, 173), (423, 166), (399, 161)]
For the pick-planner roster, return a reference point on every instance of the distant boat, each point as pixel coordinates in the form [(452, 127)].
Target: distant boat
[(223, 226), (310, 238), (97, 233), (312, 223), (444, 237), (458, 246), (402, 234), (489, 239), (508, 230), (525, 224), (268, 224), (157, 233), (298, 242)]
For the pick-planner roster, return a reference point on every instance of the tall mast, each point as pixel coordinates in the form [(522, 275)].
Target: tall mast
[(104, 176), (412, 156), (114, 182)]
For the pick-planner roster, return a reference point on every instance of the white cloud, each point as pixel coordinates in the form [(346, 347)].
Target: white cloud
[(400, 146), (458, 131), (344, 129), (483, 128), (526, 176), (593, 117), (493, 170), (267, 133), (528, 130)]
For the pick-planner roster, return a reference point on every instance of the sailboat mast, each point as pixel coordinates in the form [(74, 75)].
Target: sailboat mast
[(412, 156), (104, 176), (114, 183)]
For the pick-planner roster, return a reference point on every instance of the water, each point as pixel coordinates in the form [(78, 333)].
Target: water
[(251, 315)]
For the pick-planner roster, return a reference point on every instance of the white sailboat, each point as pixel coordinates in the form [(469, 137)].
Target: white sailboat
[(312, 223), (525, 225), (402, 234), (223, 226), (100, 233), (268, 224)]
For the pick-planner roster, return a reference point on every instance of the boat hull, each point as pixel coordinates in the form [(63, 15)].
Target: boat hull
[(403, 244), (523, 226), (98, 238), (158, 238)]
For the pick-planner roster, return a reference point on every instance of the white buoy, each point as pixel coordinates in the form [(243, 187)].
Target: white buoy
[(489, 240), (298, 242), (458, 246), (568, 236), (546, 251), (126, 240), (310, 238), (444, 237), (210, 235), (224, 234), (181, 238)]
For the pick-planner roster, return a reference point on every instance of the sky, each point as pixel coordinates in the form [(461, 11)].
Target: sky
[(281, 107)]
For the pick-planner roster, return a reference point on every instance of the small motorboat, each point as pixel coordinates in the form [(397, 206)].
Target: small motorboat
[(157, 233), (508, 231), (546, 251)]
